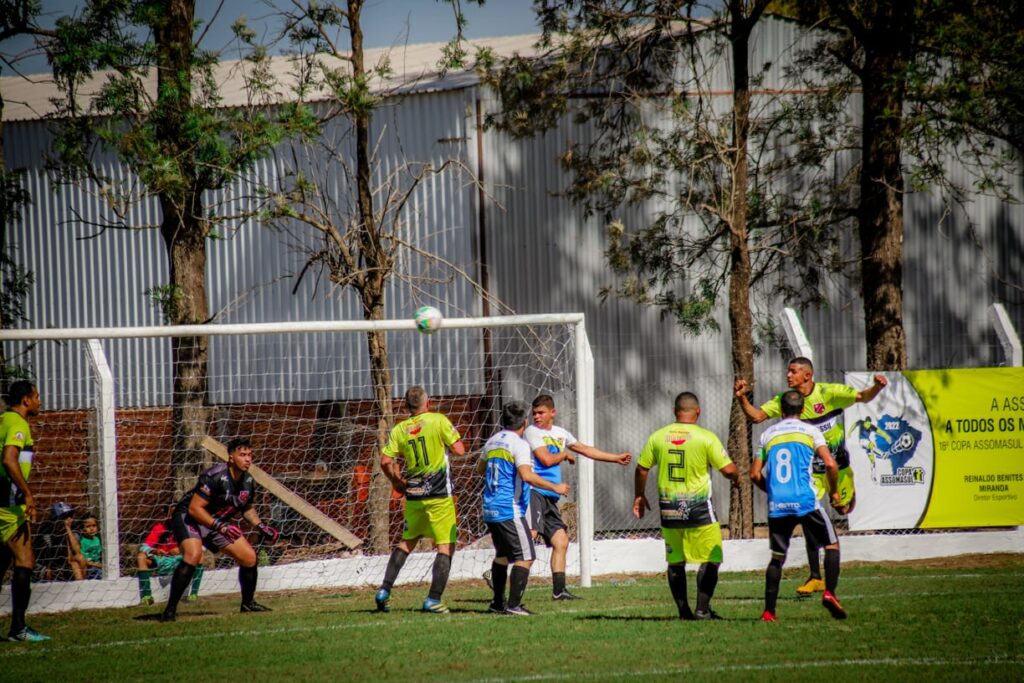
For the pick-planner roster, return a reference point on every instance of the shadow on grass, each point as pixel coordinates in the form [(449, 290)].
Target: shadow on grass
[(182, 616), (624, 617)]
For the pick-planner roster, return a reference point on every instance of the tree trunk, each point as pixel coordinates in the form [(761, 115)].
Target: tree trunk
[(741, 513), (886, 56), (184, 231)]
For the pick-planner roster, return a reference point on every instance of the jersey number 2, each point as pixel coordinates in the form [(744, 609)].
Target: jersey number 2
[(677, 470)]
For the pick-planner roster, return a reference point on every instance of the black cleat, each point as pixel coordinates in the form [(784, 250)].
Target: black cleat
[(565, 595), (169, 615), (518, 611), (495, 608), (254, 607), (710, 615)]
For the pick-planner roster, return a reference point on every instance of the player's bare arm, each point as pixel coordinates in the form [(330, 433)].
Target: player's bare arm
[(391, 470), (458, 449), (595, 453), (731, 472), (741, 388), (10, 461), (197, 510), (880, 383), (547, 458), (527, 474), (757, 474), (640, 504)]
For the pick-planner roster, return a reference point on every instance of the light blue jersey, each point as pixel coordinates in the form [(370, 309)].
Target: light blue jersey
[(787, 450), (505, 494), (554, 440)]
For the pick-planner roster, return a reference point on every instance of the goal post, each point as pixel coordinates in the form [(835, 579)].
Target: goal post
[(301, 392)]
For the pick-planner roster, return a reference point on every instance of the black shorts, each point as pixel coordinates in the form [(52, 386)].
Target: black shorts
[(817, 526), (512, 539), (544, 516), (184, 527)]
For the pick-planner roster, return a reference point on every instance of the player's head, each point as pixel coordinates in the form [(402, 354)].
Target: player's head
[(544, 411), (791, 403), (416, 398), (799, 372), (240, 453), (23, 394), (513, 416), (687, 407)]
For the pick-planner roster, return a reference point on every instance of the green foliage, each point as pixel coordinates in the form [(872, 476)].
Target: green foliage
[(168, 299), (899, 629)]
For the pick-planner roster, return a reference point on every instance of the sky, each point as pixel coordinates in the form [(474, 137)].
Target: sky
[(385, 23)]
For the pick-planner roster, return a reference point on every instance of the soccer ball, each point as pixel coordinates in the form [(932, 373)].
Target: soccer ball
[(428, 319)]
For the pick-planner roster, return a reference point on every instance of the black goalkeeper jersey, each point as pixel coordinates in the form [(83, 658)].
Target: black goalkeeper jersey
[(223, 495)]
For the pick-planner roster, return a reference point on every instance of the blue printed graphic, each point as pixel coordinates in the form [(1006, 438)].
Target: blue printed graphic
[(889, 438)]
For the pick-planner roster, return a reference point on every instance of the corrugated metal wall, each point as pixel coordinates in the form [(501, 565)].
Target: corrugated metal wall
[(543, 256)]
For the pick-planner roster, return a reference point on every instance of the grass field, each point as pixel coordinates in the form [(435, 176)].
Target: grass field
[(955, 619)]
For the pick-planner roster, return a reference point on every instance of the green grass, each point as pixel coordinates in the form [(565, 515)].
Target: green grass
[(951, 620)]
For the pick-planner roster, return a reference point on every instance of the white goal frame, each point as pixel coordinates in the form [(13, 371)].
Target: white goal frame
[(122, 590)]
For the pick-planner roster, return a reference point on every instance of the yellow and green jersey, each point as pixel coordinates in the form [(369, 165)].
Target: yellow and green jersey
[(14, 431), (683, 453), (422, 442), (823, 408)]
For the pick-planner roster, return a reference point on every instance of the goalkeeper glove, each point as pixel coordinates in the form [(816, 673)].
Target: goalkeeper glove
[(269, 533), (232, 532)]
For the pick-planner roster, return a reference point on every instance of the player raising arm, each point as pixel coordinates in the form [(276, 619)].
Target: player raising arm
[(783, 470), (508, 469)]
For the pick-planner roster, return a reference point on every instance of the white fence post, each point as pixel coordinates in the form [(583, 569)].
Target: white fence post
[(798, 341), (585, 466), (106, 442), (1007, 335)]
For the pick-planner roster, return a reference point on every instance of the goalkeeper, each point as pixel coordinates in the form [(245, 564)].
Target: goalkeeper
[(160, 555), (204, 518)]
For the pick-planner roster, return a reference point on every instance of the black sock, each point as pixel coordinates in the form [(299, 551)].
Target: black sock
[(179, 583), (499, 576), (247, 580), (772, 577), (5, 562), (831, 569), (517, 586), (395, 564), (439, 579), (813, 561), (707, 579), (677, 584), (21, 591), (557, 582)]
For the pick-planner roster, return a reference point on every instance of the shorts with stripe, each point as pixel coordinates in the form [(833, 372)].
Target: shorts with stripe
[(185, 527), (432, 518), (11, 519), (817, 526), (544, 516), (844, 484), (695, 545), (512, 539)]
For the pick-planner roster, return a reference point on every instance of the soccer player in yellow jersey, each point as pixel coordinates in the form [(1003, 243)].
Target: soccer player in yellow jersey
[(422, 441), (17, 504), (823, 408), (683, 452)]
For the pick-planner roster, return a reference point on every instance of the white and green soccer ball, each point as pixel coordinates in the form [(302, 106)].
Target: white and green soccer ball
[(428, 319)]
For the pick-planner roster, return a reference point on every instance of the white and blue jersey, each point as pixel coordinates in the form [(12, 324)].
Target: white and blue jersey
[(787, 451), (506, 495), (555, 440)]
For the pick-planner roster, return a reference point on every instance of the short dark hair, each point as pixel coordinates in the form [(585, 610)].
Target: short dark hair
[(513, 415), (544, 400), (687, 402), (18, 392), (791, 403), (238, 442), (415, 397), (803, 360)]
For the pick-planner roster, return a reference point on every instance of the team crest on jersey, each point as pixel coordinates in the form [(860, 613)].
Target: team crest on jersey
[(416, 430), (19, 436), (554, 445), (243, 496), (819, 408)]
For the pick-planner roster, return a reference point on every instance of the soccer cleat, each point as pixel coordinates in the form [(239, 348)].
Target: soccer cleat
[(710, 615), (192, 597), (146, 600), (488, 580), (565, 595), (434, 606), (254, 607), (382, 598), (810, 587), (27, 634), (518, 611), (768, 616), (168, 615), (495, 608), (831, 603), (687, 616)]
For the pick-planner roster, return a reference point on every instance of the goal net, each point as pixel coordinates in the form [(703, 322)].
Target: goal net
[(121, 436)]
